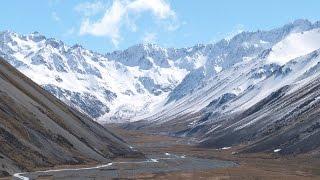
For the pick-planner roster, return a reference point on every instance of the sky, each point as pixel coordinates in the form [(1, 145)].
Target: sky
[(108, 25)]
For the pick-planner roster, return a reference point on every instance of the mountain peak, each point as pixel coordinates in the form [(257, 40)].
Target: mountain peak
[(146, 47), (36, 36), (301, 22)]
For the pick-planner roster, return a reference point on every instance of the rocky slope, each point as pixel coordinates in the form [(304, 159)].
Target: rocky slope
[(38, 130)]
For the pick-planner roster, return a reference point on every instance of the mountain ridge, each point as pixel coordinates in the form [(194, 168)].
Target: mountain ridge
[(38, 130), (147, 74)]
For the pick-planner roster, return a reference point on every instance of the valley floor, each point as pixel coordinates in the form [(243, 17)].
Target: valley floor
[(179, 159), (250, 166)]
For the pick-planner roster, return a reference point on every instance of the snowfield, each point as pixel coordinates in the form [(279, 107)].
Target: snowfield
[(295, 45)]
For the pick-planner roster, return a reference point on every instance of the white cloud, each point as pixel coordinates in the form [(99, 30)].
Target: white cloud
[(160, 8), (90, 8), (124, 13), (149, 38), (55, 16)]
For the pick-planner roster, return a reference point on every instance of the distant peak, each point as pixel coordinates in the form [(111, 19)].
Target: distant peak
[(146, 46), (300, 22), (35, 33), (200, 45), (5, 31), (8, 32), (54, 42), (76, 46), (36, 36), (300, 25)]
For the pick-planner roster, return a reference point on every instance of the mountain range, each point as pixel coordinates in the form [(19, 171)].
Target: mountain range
[(130, 84), (258, 87)]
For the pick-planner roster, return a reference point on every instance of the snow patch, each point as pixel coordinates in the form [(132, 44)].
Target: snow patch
[(217, 68), (277, 150), (295, 45), (154, 160), (225, 148)]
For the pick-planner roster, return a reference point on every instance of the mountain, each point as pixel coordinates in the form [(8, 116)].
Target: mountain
[(103, 88), (246, 89), (130, 85), (38, 130), (269, 102)]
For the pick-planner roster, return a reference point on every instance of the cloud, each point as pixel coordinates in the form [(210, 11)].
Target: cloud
[(149, 37), (160, 8), (55, 16), (90, 8), (124, 13)]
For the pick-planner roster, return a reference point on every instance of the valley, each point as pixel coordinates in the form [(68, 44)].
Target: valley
[(248, 166), (179, 158), (245, 107)]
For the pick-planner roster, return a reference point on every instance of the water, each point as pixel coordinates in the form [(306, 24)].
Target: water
[(156, 164)]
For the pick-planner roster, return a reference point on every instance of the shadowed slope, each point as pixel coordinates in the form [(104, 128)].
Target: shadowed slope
[(38, 130)]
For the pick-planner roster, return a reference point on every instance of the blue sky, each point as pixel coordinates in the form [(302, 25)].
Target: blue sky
[(107, 25)]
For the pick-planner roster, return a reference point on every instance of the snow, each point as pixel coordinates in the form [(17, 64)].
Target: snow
[(213, 129), (250, 80), (226, 148), (116, 77), (295, 45), (154, 160), (160, 84), (19, 176), (277, 150), (247, 58), (218, 68)]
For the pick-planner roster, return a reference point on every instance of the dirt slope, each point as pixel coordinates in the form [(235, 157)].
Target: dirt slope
[(38, 130)]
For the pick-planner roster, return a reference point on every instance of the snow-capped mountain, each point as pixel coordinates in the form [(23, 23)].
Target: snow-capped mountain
[(98, 85), (268, 101), (248, 80), (150, 82)]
